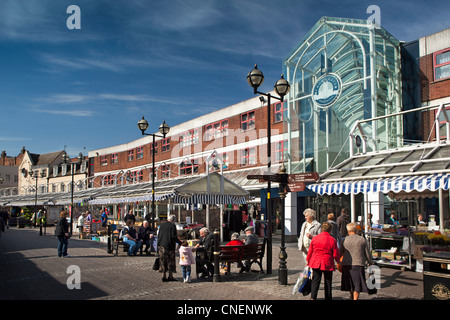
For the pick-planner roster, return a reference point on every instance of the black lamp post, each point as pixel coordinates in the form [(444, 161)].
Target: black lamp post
[(164, 130), (255, 78), (282, 271), (66, 159), (35, 174)]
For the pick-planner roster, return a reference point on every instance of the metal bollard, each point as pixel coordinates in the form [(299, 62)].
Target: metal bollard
[(109, 247), (216, 276)]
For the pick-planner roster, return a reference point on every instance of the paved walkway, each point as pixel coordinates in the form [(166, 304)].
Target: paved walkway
[(31, 270)]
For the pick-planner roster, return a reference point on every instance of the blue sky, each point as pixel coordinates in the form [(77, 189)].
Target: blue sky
[(170, 60)]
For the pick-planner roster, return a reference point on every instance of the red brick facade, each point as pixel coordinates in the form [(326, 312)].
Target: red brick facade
[(103, 163), (431, 90), (11, 161)]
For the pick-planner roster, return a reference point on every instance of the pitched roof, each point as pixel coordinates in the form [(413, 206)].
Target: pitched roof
[(47, 158)]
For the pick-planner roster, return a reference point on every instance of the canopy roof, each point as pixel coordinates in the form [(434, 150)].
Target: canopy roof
[(418, 168), (207, 189)]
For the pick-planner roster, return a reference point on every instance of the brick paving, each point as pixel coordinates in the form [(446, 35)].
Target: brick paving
[(31, 270)]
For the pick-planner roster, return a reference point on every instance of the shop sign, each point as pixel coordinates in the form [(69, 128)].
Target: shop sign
[(326, 90)]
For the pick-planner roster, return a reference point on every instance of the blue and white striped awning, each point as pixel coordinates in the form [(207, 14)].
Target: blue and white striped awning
[(419, 183)]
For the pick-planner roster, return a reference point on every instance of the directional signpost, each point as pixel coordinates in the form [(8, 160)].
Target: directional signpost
[(297, 182), (288, 183)]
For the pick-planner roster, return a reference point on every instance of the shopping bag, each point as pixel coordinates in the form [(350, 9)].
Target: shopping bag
[(371, 283), (303, 284)]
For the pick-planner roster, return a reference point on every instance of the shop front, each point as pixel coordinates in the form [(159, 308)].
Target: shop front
[(387, 191)]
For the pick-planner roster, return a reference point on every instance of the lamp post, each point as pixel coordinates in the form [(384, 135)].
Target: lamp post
[(255, 78), (282, 271), (35, 174), (66, 159), (164, 130)]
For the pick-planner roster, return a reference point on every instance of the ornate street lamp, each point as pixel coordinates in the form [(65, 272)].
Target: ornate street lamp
[(66, 160), (282, 271), (35, 174), (255, 78), (164, 130)]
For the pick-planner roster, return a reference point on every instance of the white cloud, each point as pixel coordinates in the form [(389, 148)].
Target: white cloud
[(14, 139), (73, 113)]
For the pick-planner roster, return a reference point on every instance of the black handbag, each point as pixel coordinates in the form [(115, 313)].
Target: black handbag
[(156, 264)]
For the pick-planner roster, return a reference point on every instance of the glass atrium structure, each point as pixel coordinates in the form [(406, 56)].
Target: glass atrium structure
[(343, 73)]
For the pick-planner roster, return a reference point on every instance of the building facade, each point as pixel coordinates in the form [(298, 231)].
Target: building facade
[(9, 177), (232, 141), (413, 177), (353, 86)]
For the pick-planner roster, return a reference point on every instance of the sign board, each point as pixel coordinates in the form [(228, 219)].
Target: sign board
[(265, 177), (295, 182), (326, 90), (303, 177), (296, 187)]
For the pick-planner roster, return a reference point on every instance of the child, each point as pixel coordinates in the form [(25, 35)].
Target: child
[(186, 260)]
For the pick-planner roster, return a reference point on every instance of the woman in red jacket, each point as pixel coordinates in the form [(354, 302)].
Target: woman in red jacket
[(322, 253)]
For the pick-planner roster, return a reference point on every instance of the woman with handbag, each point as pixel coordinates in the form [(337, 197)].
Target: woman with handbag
[(62, 233), (322, 253)]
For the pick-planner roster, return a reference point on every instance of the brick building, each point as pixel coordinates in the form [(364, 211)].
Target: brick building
[(238, 133), (434, 79), (232, 140), (9, 172)]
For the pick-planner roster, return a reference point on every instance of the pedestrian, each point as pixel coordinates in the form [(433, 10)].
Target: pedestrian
[(335, 231), (420, 221), (204, 253), (322, 253), (145, 236), (104, 218), (62, 233), (129, 235), (234, 241), (80, 222), (393, 218), (129, 216), (355, 253), (167, 240), (250, 238), (186, 260), (310, 228), (39, 217), (5, 216), (4, 219), (342, 222)]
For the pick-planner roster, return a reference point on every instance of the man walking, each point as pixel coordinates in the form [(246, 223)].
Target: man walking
[(342, 222)]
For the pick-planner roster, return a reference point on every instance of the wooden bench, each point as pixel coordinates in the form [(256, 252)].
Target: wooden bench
[(254, 253), (118, 244)]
